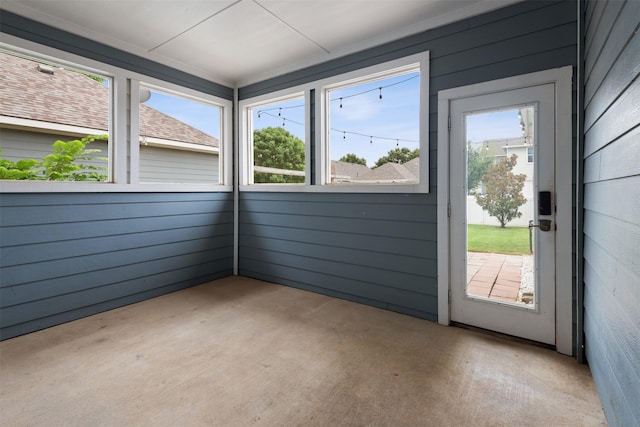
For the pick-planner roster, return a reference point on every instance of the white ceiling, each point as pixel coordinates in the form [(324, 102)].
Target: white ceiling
[(237, 42)]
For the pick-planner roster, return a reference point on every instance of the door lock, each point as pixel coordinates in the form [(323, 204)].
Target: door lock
[(545, 225)]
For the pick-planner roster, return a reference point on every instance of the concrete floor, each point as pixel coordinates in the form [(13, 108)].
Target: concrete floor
[(239, 352)]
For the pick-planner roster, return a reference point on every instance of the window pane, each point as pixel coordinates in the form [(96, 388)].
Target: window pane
[(374, 135), (54, 121), (179, 139), (278, 142)]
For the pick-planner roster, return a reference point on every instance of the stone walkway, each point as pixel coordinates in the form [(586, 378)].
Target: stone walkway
[(495, 276)]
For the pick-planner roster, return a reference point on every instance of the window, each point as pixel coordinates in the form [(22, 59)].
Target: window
[(54, 119), (375, 127), (370, 132), (530, 154), (65, 118), (373, 130), (275, 134), (179, 138)]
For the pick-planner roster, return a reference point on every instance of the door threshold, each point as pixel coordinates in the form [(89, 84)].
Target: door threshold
[(503, 336)]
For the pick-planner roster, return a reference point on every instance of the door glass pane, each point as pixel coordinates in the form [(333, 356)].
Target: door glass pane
[(500, 159)]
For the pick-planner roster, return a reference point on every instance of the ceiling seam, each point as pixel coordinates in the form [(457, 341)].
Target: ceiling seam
[(194, 25), (292, 27)]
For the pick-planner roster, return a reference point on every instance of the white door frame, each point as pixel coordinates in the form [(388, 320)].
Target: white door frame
[(562, 78)]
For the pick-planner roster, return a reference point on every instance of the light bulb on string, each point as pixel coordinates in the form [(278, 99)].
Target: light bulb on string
[(380, 97), (340, 102), (280, 112), (371, 140)]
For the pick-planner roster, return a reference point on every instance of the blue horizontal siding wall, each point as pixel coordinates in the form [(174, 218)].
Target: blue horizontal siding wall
[(612, 206), (360, 247), (380, 249), (66, 256)]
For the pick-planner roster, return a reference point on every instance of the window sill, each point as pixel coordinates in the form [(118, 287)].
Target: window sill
[(336, 188), (86, 187)]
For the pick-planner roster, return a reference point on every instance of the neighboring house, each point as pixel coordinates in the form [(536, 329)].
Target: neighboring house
[(61, 104), (389, 173), (502, 149)]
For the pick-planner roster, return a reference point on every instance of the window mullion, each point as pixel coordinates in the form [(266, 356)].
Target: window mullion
[(120, 131), (133, 112)]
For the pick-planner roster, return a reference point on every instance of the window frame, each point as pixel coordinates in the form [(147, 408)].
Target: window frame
[(363, 75), (123, 129), (245, 122), (322, 163), (225, 158)]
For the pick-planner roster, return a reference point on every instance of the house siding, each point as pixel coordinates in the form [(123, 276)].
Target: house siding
[(66, 256), (380, 249), (159, 164), (611, 205)]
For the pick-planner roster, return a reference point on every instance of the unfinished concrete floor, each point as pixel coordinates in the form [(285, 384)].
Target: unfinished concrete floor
[(240, 352)]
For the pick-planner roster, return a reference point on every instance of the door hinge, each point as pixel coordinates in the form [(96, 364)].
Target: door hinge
[(449, 122), (449, 296), (449, 209)]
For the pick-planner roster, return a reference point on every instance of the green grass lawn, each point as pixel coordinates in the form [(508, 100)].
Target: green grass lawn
[(493, 239)]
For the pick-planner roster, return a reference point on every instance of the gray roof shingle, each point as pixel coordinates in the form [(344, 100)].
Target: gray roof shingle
[(71, 98)]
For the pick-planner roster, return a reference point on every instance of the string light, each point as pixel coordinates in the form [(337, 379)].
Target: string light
[(374, 89), (284, 119), (342, 97), (344, 132)]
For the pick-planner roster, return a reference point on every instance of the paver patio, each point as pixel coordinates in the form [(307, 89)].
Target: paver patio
[(495, 276)]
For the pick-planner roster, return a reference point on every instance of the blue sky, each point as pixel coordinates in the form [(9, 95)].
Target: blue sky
[(201, 116), (495, 125), (365, 125)]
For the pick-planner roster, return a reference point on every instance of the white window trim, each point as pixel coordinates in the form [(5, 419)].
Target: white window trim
[(224, 150), (323, 163), (322, 149), (124, 156), (245, 122)]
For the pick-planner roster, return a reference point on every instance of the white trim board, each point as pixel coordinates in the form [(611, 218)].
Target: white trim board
[(562, 78)]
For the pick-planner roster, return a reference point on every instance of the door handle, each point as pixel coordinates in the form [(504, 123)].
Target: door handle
[(545, 225)]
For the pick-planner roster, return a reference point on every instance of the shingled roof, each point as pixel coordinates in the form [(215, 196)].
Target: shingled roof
[(388, 172), (70, 98)]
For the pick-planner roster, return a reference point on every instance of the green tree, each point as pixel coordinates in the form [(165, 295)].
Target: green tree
[(20, 170), (503, 191), (398, 155), (277, 148), (352, 158), (65, 163), (477, 165)]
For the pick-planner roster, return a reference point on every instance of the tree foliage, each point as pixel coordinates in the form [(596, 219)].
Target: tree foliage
[(65, 163), (275, 147), (477, 166), (503, 191), (398, 155), (352, 158), (20, 170)]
